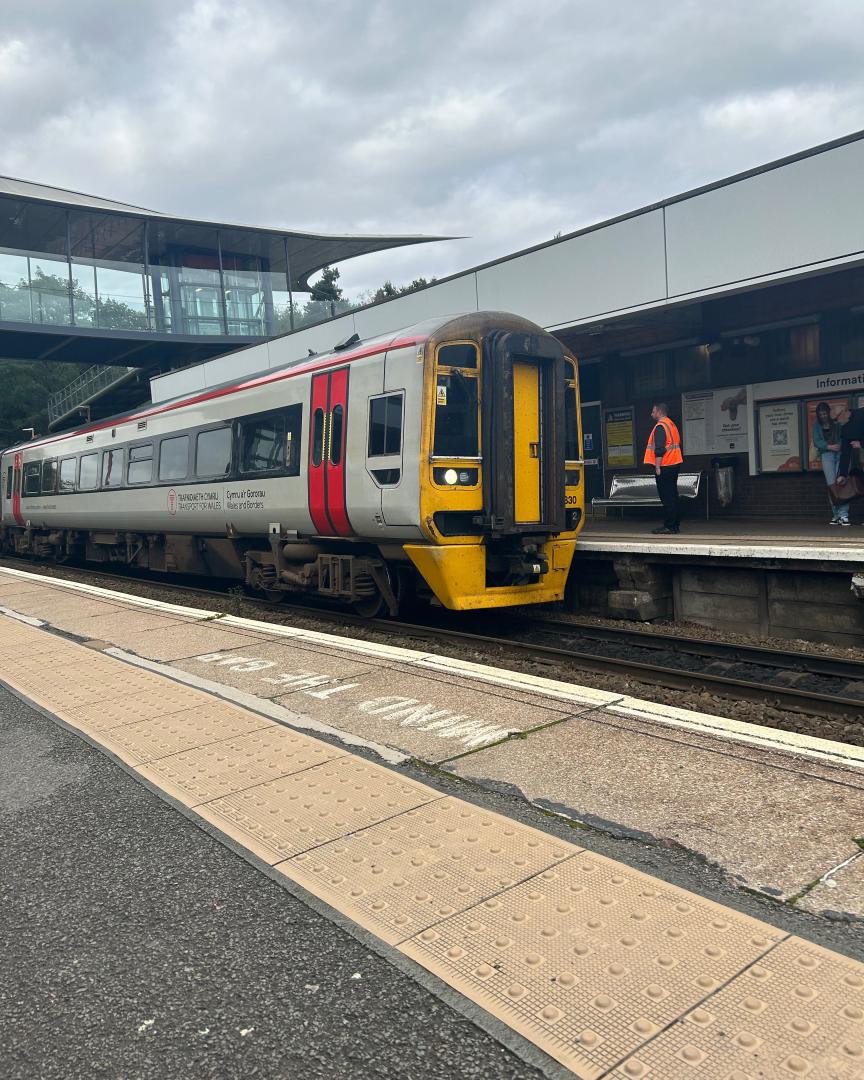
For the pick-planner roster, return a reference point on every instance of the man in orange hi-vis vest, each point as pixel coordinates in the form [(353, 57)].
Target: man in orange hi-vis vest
[(664, 453)]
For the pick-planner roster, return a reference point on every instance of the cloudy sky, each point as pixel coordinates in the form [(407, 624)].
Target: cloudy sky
[(505, 122)]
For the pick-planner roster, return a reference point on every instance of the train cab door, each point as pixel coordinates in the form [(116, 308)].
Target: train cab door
[(527, 442), (523, 424), (327, 441)]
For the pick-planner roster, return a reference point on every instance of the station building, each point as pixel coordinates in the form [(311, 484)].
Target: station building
[(131, 292)]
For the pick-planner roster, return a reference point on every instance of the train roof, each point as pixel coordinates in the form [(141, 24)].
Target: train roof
[(344, 352)]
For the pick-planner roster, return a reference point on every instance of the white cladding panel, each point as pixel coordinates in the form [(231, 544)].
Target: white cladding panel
[(454, 297), (806, 212), (615, 267), (320, 338)]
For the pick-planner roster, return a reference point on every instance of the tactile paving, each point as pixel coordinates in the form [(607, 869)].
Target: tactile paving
[(296, 813), (589, 959), (798, 1012), (224, 768), (608, 970), (160, 699), (405, 874), (211, 722)]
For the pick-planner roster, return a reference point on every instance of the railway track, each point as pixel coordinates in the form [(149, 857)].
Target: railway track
[(800, 682)]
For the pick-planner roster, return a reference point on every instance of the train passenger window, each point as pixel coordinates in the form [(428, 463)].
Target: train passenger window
[(49, 476), (461, 356), (174, 458), (140, 469), (456, 427), (213, 453), (271, 444), (336, 435), (88, 474), (33, 478), (318, 437), (112, 468), (385, 425), (68, 469)]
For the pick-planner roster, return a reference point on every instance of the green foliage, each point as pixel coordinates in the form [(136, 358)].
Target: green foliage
[(25, 386), (388, 291), (327, 287)]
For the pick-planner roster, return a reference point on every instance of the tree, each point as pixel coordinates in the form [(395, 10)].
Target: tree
[(27, 385), (389, 291), (327, 287)]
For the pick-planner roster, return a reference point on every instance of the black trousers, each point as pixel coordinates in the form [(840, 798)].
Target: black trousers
[(667, 489)]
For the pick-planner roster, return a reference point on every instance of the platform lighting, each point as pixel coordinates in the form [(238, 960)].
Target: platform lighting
[(713, 347), (32, 432)]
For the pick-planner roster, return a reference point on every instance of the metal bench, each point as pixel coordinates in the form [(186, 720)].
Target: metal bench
[(642, 491)]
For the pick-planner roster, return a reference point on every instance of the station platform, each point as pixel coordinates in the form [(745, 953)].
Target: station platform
[(357, 774), (774, 578), (801, 540)]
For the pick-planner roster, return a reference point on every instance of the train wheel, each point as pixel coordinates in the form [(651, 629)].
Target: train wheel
[(373, 607), (273, 596)]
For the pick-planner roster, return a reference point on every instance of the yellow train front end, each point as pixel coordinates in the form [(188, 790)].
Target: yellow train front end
[(501, 484)]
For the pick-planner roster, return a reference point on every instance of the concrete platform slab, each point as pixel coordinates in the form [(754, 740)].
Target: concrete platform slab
[(764, 818), (840, 894), (104, 625), (423, 715), (272, 670), (180, 640), (775, 538)]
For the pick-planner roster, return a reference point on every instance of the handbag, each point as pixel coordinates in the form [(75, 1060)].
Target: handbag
[(850, 489)]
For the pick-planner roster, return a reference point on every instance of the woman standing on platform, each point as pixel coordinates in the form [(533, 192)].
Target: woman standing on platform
[(827, 442)]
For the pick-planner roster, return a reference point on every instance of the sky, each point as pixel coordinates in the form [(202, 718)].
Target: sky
[(503, 122)]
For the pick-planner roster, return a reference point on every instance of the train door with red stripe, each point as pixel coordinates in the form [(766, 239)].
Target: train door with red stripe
[(327, 440), (17, 481)]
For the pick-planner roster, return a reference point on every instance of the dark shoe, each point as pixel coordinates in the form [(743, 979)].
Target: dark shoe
[(663, 531)]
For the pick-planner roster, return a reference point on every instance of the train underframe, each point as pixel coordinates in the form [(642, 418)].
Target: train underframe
[(373, 579)]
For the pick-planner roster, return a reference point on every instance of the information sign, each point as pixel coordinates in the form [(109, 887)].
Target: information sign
[(779, 427), (619, 438)]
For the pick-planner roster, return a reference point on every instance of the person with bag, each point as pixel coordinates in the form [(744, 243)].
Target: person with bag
[(827, 442), (850, 482), (664, 453)]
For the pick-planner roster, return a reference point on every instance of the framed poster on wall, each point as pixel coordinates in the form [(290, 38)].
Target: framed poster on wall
[(835, 404), (618, 426), (715, 421), (778, 425)]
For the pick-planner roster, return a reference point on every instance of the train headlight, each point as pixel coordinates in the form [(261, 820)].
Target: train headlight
[(450, 477)]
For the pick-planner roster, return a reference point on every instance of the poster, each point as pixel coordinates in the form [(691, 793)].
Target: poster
[(619, 438), (715, 421), (780, 437), (834, 404)]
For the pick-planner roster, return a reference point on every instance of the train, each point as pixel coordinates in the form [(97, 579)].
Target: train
[(438, 464)]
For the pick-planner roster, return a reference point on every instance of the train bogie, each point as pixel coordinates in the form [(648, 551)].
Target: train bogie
[(443, 460)]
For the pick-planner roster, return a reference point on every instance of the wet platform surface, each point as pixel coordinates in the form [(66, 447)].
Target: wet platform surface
[(253, 728)]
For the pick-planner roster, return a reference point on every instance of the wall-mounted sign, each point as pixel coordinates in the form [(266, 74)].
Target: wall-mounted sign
[(779, 428), (814, 459), (620, 452), (716, 421)]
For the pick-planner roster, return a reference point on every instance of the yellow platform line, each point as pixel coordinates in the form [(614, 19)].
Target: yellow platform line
[(609, 971)]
